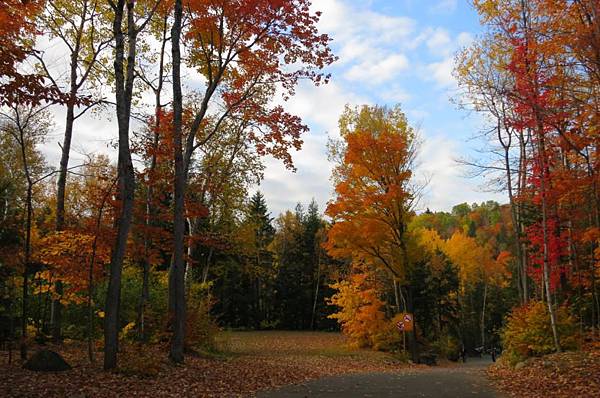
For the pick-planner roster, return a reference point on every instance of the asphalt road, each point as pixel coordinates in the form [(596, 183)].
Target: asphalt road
[(466, 380)]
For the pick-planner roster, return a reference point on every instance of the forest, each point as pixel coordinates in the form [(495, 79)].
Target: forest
[(162, 259)]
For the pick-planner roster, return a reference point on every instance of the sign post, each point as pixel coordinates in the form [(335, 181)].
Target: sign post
[(405, 324)]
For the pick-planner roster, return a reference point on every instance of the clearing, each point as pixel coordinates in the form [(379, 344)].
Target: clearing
[(251, 362)]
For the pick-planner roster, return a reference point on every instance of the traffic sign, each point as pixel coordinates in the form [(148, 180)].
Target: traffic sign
[(406, 323)]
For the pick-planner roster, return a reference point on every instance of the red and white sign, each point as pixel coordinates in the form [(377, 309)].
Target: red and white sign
[(406, 323)]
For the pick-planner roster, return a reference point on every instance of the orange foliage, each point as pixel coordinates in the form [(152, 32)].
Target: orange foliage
[(372, 195), (70, 254)]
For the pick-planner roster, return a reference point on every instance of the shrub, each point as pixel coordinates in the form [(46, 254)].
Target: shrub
[(528, 332), (387, 337), (137, 359), (447, 347), (360, 315), (201, 328)]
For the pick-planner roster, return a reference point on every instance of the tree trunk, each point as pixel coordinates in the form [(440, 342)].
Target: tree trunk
[(515, 217), (90, 307), (150, 190), (56, 312), (27, 260), (26, 269), (124, 89), (412, 335), (177, 272), (522, 180), (207, 265), (314, 308), (546, 253), (482, 324)]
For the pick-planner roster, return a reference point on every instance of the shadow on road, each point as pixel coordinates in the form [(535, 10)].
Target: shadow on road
[(463, 380)]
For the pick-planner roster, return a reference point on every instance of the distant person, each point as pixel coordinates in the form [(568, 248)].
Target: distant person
[(463, 353), (493, 353)]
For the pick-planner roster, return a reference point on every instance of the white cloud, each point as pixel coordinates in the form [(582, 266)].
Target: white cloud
[(395, 94), (283, 189), (444, 6), (441, 72), (448, 185), (360, 34), (321, 106), (378, 72), (439, 40), (464, 39), (344, 22)]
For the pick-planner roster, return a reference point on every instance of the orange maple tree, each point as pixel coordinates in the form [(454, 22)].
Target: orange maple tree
[(373, 196)]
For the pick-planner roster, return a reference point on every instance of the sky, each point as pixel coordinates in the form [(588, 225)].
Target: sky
[(390, 52)]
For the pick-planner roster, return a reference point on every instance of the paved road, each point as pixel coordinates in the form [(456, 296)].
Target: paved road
[(466, 380)]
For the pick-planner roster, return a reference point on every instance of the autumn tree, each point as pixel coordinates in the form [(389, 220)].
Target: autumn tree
[(81, 29), (17, 32), (477, 263), (361, 311), (483, 75), (27, 127), (125, 37), (374, 196), (533, 71), (465, 259), (238, 48)]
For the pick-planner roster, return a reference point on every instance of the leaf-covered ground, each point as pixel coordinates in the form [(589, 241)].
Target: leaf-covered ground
[(253, 361), (570, 374)]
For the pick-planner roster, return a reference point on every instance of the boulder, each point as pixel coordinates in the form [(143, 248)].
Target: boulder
[(46, 361), (520, 365), (428, 358)]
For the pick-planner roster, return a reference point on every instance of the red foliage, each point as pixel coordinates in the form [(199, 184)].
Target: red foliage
[(16, 27)]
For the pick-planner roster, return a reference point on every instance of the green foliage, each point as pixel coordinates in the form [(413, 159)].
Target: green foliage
[(387, 337), (447, 346), (155, 314), (434, 284), (528, 332)]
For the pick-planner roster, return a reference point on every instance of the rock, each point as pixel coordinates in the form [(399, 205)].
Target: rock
[(428, 358), (520, 365), (46, 361)]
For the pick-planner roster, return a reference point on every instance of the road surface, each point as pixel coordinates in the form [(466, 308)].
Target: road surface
[(465, 380)]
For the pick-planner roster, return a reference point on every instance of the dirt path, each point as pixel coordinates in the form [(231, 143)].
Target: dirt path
[(467, 380)]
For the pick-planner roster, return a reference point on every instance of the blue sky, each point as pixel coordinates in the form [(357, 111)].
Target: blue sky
[(391, 51)]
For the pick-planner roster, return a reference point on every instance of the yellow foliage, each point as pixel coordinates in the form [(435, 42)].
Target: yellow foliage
[(528, 331), (127, 330), (361, 316), (475, 262)]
